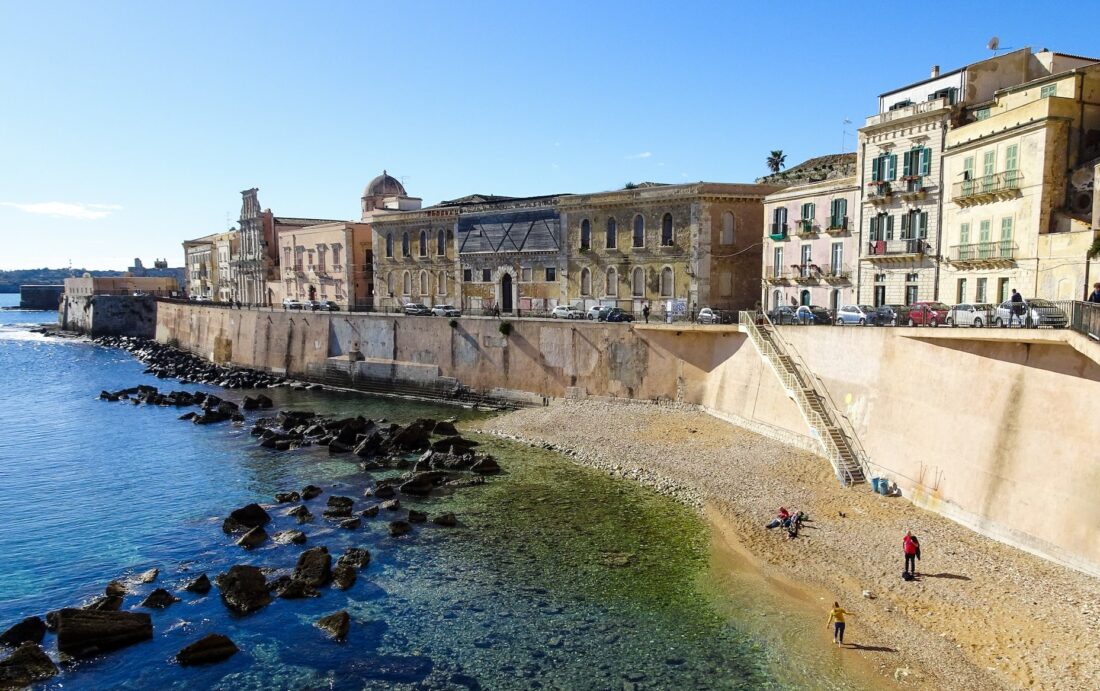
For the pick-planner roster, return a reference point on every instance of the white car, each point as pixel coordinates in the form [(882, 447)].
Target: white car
[(706, 316), (598, 313), (445, 311), (970, 314), (291, 304), (566, 312)]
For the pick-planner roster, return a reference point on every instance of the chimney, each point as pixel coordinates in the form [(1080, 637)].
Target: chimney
[(935, 71)]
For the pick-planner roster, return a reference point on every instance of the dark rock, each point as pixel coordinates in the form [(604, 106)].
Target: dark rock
[(243, 589), (391, 505), (301, 513), (115, 589), (82, 633), (446, 520), (187, 416), (355, 556), (417, 516), (250, 403), (338, 447), (286, 497), (296, 537), (445, 428), (369, 512), (420, 485), (200, 585), (487, 465), (411, 438), (314, 566), (28, 665), (369, 446), (208, 649), (456, 445), (148, 576), (398, 528), (385, 492), (159, 599), (295, 589), (310, 492), (343, 576), (264, 401), (336, 501), (336, 624), (245, 518), (253, 538), (337, 512), (351, 524), (107, 603), (30, 630)]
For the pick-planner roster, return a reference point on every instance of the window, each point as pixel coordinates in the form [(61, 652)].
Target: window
[(389, 245), (979, 290), (968, 168), (914, 225), (838, 213), (586, 282), (336, 255), (406, 284), (884, 167), (964, 235), (666, 230), (468, 275), (725, 284), (1048, 91), (286, 256), (666, 282), (525, 274), (1006, 235), (423, 243), (1010, 157), (405, 245), (423, 280), (586, 234), (836, 257), (612, 283), (807, 254), (389, 283), (441, 243), (612, 234), (777, 262), (910, 294), (551, 273), (989, 163), (638, 282), (727, 229), (981, 113), (1002, 288), (779, 222), (808, 211), (917, 162), (639, 231), (441, 283), (320, 258), (984, 231), (960, 292), (882, 227), (486, 276)]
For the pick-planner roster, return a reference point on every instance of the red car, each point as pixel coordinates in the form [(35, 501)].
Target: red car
[(928, 313)]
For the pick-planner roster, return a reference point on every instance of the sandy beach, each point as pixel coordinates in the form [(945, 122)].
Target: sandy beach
[(981, 615)]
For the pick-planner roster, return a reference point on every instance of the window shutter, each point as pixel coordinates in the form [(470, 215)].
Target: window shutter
[(889, 227), (874, 228), (926, 161), (843, 209), (874, 168), (892, 167), (905, 167), (922, 227), (904, 224)]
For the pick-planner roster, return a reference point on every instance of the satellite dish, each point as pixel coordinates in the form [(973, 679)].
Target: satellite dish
[(994, 43)]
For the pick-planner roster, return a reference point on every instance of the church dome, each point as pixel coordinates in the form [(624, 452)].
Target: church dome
[(385, 185)]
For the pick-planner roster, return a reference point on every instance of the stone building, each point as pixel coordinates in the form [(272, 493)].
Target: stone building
[(227, 248), (1021, 170), (201, 266), (326, 262)]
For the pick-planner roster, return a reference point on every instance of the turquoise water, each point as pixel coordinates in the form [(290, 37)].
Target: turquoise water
[(558, 577)]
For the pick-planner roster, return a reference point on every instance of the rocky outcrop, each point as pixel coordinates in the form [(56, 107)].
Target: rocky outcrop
[(294, 589), (446, 520), (208, 649), (29, 664), (336, 624), (486, 465), (30, 630), (310, 492), (399, 528), (253, 538), (287, 497), (83, 633), (343, 576), (246, 518), (301, 513), (148, 576), (243, 589), (314, 566), (159, 599), (417, 516), (200, 585), (296, 537), (355, 556), (166, 362)]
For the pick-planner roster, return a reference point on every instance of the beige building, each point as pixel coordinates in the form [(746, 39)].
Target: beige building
[(1021, 172), (226, 250), (201, 265), (160, 286), (328, 261)]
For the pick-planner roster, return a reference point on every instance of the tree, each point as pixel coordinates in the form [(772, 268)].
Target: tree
[(1094, 251), (777, 160), (629, 186)]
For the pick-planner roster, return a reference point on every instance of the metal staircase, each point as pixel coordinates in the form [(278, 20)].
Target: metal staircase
[(831, 428)]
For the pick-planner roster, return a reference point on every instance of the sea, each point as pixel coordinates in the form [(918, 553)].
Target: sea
[(556, 577)]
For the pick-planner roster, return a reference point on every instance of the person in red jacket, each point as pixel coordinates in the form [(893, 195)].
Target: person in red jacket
[(911, 547)]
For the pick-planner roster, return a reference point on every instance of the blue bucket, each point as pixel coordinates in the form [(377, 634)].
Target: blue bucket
[(880, 485)]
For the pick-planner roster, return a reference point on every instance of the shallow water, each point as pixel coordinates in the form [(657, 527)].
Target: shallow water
[(557, 577)]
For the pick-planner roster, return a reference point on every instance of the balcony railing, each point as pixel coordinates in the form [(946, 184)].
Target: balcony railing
[(879, 190), (907, 111), (836, 273), (803, 272), (837, 224), (987, 187), (984, 251), (805, 226), (878, 248), (778, 231), (914, 185)]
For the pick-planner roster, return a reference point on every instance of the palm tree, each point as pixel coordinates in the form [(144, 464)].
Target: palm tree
[(777, 160)]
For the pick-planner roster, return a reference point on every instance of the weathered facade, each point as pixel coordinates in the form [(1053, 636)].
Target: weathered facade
[(201, 264), (326, 262)]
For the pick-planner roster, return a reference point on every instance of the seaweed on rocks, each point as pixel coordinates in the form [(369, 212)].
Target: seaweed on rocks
[(166, 362)]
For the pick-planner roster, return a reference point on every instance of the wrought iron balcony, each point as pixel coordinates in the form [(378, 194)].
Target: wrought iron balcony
[(804, 273), (837, 273), (778, 231), (987, 188), (805, 226), (913, 189), (895, 248), (837, 225), (995, 252), (879, 191)]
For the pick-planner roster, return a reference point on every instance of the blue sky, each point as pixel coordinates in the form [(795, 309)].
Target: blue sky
[(127, 127)]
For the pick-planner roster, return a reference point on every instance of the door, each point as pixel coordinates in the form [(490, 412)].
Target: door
[(880, 296), (804, 298), (506, 293)]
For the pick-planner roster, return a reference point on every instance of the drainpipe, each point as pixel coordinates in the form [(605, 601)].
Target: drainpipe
[(939, 214), (859, 224)]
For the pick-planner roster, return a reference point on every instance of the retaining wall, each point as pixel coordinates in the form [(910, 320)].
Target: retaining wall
[(100, 315)]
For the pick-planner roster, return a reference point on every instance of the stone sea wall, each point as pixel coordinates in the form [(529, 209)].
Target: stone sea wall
[(109, 315), (993, 433)]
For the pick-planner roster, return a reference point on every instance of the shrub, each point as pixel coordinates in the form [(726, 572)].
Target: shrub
[(453, 323), (505, 328)]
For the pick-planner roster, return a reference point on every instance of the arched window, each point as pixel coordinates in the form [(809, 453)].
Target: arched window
[(639, 231), (407, 284), (441, 243), (441, 283), (612, 282), (423, 243), (804, 298), (666, 282), (586, 234), (727, 229), (405, 245), (389, 283), (586, 282), (777, 299), (389, 245), (612, 233), (424, 289), (666, 231), (638, 282)]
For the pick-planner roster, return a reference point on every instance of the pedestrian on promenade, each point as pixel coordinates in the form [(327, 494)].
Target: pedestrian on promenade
[(1095, 296), (911, 547), (836, 620), (1016, 309), (645, 308)]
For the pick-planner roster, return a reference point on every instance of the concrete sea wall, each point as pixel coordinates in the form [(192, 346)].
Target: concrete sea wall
[(99, 315), (993, 433)]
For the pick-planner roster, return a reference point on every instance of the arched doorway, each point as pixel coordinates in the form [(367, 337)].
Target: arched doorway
[(506, 292), (804, 298), (834, 301)]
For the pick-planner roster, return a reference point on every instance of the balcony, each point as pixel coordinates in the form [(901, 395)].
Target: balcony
[(908, 111), (984, 254), (887, 251), (987, 188), (838, 225), (912, 189), (804, 273), (776, 276), (805, 227), (837, 273), (778, 232), (880, 192)]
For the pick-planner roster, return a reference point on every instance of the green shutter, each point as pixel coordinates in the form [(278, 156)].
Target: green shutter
[(1006, 228), (874, 228), (964, 234), (926, 161), (905, 166), (904, 224), (874, 168), (892, 167), (843, 209), (889, 227), (922, 225)]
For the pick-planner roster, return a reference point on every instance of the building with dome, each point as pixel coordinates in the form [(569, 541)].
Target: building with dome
[(386, 193)]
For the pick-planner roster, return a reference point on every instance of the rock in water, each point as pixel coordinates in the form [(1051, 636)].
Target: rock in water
[(200, 585), (445, 428), (391, 505), (351, 524), (446, 520), (486, 466), (301, 513), (243, 589), (27, 665), (343, 576), (398, 528), (294, 536), (385, 492), (286, 497), (30, 630), (245, 518), (295, 589), (370, 511), (159, 599), (417, 516), (212, 648), (411, 438), (107, 603), (311, 491), (82, 633), (314, 566), (355, 556), (253, 538), (116, 589), (336, 624), (148, 576), (337, 502)]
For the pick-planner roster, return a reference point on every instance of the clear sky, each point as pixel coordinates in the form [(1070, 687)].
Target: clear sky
[(127, 127)]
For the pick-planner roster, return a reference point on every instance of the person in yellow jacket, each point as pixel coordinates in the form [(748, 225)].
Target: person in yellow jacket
[(836, 619)]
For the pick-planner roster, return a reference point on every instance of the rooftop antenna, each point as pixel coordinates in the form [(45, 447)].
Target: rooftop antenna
[(844, 134), (994, 44)]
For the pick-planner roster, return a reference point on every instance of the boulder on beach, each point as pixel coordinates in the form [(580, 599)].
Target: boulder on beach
[(486, 465), (208, 649), (253, 538), (369, 446), (343, 576), (447, 520), (28, 665), (264, 401), (411, 438), (454, 444), (314, 566), (200, 585), (420, 485), (445, 428), (243, 589), (311, 491), (336, 624), (399, 528), (83, 633), (30, 630), (246, 518), (159, 599), (358, 557), (417, 516)]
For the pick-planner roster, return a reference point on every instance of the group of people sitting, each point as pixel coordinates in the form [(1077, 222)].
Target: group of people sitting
[(791, 520)]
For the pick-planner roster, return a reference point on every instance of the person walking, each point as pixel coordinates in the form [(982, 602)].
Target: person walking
[(836, 620), (911, 547), (645, 310), (1016, 309), (1095, 296)]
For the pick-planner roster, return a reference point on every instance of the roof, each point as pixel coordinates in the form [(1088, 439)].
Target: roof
[(474, 199), (291, 221), (384, 185), (814, 170)]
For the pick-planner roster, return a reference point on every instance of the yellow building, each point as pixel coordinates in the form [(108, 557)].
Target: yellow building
[(201, 265), (1020, 170), (160, 286), (327, 261)]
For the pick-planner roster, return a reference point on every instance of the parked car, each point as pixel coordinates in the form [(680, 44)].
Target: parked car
[(566, 312), (598, 312), (417, 309), (856, 314), (1031, 313), (291, 304), (617, 315), (891, 315), (814, 315), (782, 315), (446, 311), (707, 316), (927, 313), (326, 306), (970, 314), (311, 304)]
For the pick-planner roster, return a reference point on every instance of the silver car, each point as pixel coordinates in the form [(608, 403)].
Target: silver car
[(566, 312), (446, 311), (1031, 313), (970, 314)]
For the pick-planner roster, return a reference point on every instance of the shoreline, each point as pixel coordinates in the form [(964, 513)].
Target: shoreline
[(983, 615)]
